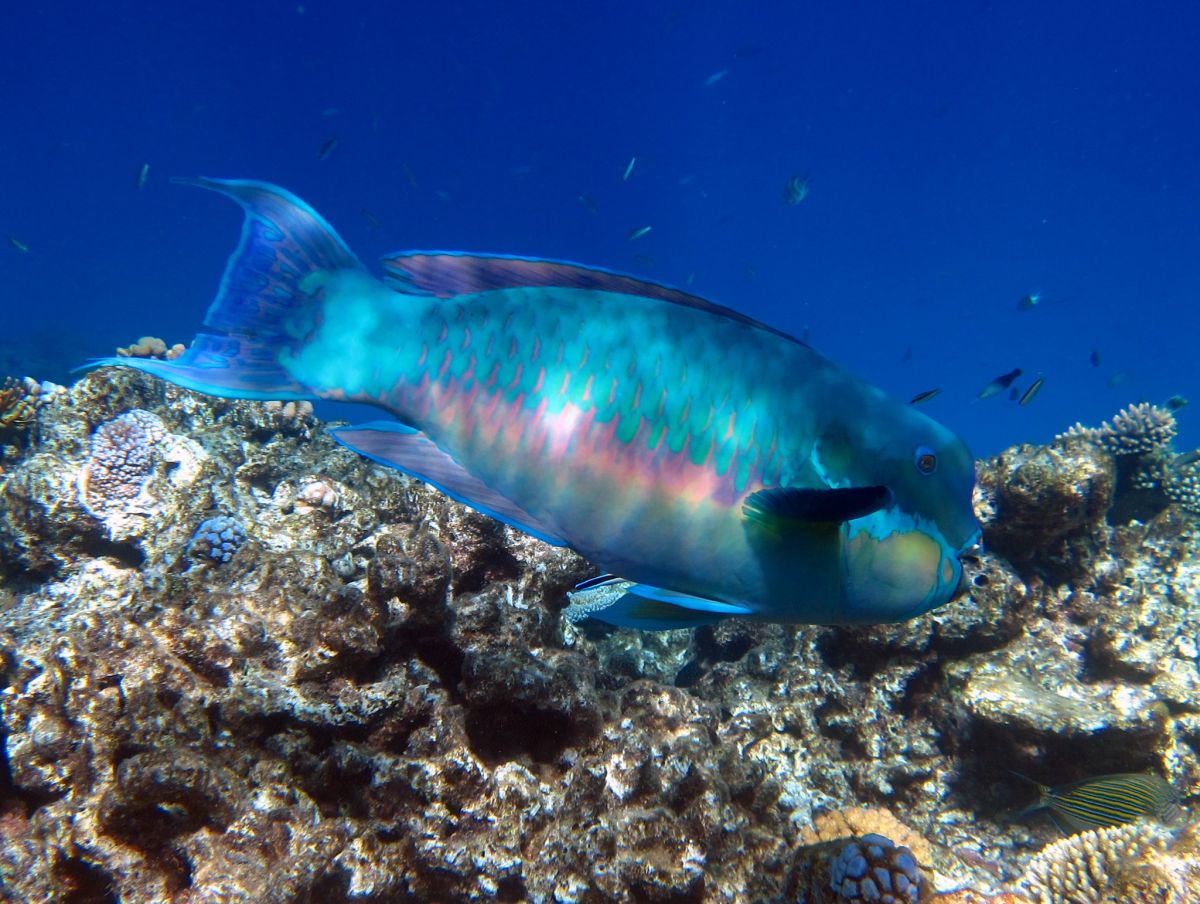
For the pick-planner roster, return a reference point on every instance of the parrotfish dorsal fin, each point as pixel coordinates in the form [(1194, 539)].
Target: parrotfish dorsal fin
[(399, 446), (445, 274), (780, 506), (261, 304)]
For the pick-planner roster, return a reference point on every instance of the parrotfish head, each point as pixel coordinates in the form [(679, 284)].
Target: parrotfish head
[(905, 558)]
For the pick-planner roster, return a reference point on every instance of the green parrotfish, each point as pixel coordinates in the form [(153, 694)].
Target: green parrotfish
[(711, 465)]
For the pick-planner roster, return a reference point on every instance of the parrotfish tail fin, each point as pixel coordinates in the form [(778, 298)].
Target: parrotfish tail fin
[(629, 605), (268, 301)]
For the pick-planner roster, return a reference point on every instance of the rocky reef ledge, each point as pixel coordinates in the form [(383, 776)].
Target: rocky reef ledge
[(240, 664)]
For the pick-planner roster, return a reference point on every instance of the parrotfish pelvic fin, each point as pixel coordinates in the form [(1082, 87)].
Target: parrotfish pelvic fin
[(406, 449), (259, 311), (629, 605)]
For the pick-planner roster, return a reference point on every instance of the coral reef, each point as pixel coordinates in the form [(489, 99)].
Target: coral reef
[(18, 403), (152, 347), (873, 868), (216, 540), (377, 698), (1081, 868)]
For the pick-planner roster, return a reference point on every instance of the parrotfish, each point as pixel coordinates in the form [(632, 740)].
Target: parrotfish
[(711, 465)]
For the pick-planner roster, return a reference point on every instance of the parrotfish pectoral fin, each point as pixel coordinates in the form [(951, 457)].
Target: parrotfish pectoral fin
[(260, 311), (629, 605), (780, 507), (400, 446), (448, 273)]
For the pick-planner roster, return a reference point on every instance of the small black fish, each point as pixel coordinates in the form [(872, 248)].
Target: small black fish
[(924, 396), (589, 204), (1029, 302), (795, 190), (327, 148), (372, 220), (1176, 402), (1094, 357), (1014, 393), (907, 356), (1033, 390), (999, 384), (1109, 800)]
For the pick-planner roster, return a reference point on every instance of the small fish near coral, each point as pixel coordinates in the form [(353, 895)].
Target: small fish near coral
[(716, 465), (1107, 800)]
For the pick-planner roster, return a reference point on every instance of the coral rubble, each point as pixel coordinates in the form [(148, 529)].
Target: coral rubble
[(241, 663)]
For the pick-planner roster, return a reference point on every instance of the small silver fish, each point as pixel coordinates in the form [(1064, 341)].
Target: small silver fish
[(629, 169), (327, 148), (408, 174), (638, 233), (143, 174), (715, 77), (1033, 390), (372, 220), (18, 244), (589, 204)]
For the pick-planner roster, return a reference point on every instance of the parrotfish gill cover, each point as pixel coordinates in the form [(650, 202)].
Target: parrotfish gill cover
[(713, 464)]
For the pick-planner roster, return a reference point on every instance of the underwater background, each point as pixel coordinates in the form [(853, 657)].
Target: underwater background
[(959, 157)]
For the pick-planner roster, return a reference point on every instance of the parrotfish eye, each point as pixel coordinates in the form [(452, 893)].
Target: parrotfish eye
[(925, 459)]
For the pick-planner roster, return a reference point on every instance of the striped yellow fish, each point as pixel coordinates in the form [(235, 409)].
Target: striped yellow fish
[(1109, 800)]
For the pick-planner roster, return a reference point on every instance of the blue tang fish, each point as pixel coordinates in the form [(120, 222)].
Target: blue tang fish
[(712, 465)]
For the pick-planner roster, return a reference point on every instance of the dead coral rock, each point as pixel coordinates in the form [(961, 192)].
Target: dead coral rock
[(1049, 505)]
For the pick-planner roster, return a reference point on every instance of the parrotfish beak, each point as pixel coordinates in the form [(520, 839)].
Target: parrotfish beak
[(970, 550)]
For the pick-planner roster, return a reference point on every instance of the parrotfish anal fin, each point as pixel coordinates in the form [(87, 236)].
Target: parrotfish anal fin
[(408, 450), (260, 305), (445, 274), (781, 507), (627, 605)]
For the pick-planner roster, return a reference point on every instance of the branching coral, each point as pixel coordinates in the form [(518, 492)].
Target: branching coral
[(1136, 430), (1181, 482), (1081, 869)]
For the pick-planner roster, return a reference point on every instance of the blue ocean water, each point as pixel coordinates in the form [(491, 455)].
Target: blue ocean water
[(959, 156)]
